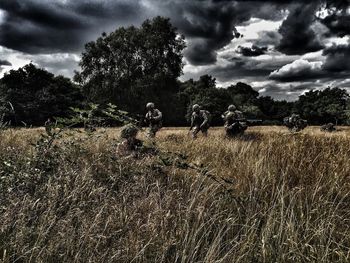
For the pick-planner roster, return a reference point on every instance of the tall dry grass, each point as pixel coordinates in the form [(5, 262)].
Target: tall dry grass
[(267, 197)]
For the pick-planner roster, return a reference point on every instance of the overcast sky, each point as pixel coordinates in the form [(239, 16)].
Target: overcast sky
[(282, 48)]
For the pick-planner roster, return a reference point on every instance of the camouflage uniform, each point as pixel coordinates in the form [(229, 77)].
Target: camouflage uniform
[(329, 127), (199, 121), (295, 123), (129, 145), (235, 123), (154, 120)]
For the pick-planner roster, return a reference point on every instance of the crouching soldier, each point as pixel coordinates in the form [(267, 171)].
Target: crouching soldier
[(295, 123), (235, 122), (329, 127), (199, 121), (154, 119), (130, 145)]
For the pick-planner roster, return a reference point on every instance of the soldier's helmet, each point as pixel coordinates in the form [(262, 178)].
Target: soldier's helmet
[(150, 105), (231, 107), (128, 131), (196, 107)]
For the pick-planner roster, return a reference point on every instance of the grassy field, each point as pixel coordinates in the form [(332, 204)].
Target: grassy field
[(269, 196)]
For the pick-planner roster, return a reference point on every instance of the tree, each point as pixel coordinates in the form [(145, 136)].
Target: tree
[(132, 66), (242, 94), (32, 95), (322, 106), (273, 110), (347, 113)]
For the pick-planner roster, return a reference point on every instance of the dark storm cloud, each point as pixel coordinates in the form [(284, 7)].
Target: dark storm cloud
[(253, 51), (247, 68), (335, 67), (211, 25), (338, 24), (5, 63), (208, 26), (35, 26), (337, 60), (338, 18), (298, 38)]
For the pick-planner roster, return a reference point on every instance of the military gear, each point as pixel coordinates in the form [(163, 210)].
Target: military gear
[(329, 127), (231, 107), (200, 122), (150, 105), (154, 120), (196, 107), (235, 123), (128, 131), (294, 123)]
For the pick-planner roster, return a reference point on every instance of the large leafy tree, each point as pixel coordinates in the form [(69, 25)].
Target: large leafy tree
[(131, 66), (242, 94), (321, 106), (32, 95)]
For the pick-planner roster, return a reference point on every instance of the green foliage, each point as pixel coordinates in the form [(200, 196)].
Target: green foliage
[(32, 95), (95, 115), (322, 106), (274, 111), (132, 66), (205, 93), (242, 94)]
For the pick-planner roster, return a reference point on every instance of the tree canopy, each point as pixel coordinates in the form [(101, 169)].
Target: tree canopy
[(133, 65), (321, 106), (32, 95)]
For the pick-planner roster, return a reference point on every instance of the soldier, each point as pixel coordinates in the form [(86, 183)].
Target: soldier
[(329, 127), (199, 121), (235, 123), (129, 145), (295, 123), (154, 119)]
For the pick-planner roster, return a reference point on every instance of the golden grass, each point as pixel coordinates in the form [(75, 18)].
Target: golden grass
[(269, 196)]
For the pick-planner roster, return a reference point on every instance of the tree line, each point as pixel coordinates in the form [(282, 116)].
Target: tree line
[(134, 65)]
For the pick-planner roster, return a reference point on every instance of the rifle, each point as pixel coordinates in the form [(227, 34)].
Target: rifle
[(249, 122), (253, 122)]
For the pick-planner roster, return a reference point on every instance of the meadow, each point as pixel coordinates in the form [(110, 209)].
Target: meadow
[(269, 196)]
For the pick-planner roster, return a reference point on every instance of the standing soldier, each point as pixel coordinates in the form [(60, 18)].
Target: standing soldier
[(199, 121), (235, 123), (154, 119)]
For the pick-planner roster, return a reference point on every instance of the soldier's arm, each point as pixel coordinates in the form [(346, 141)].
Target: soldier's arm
[(159, 116), (205, 121), (224, 115), (146, 119)]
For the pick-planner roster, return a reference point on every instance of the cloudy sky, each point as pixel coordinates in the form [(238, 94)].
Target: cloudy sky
[(280, 47)]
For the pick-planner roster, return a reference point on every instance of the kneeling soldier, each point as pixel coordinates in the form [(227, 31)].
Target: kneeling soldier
[(235, 123), (129, 145), (199, 121)]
